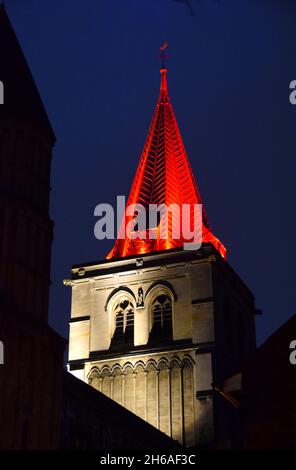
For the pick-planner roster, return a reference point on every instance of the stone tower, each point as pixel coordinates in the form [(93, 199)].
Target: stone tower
[(154, 326), (33, 353), (26, 144)]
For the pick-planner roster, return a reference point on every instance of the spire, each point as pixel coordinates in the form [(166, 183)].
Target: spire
[(164, 84), (163, 176), (21, 98)]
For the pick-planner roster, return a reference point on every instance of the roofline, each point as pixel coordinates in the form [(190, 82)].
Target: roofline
[(156, 254)]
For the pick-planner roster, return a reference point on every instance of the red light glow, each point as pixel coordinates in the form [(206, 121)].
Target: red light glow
[(163, 176)]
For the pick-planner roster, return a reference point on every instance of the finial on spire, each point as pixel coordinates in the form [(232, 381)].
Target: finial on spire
[(163, 56)]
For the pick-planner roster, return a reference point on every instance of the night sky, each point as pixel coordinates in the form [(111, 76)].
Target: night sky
[(96, 64)]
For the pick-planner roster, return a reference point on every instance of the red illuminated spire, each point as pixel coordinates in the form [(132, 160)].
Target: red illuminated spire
[(163, 176)]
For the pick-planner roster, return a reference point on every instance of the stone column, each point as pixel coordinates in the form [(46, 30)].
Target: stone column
[(134, 391), (169, 402), (157, 398), (122, 389), (146, 395), (111, 386), (182, 405)]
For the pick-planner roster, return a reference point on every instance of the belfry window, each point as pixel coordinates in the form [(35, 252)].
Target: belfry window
[(124, 323), (161, 318)]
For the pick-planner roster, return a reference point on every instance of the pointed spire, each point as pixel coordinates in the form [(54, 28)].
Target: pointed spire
[(164, 176), (163, 70), (22, 100), (163, 82)]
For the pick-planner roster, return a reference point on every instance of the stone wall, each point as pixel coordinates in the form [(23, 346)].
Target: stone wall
[(159, 390)]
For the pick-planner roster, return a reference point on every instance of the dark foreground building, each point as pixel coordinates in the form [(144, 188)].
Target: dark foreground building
[(90, 420), (31, 377), (269, 392)]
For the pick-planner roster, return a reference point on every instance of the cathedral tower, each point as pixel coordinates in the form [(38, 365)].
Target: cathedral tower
[(154, 326), (26, 141)]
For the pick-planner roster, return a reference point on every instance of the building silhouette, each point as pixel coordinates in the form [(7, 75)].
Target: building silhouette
[(33, 353), (268, 392)]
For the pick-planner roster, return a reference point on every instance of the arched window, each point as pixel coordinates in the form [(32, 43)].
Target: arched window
[(161, 318), (124, 323)]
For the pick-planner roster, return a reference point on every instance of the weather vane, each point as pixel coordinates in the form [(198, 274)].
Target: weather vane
[(163, 54)]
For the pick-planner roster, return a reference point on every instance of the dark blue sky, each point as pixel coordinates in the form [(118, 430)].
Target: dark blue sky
[(96, 64)]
